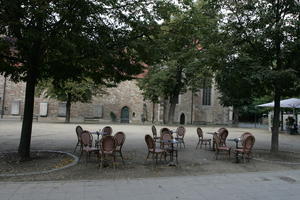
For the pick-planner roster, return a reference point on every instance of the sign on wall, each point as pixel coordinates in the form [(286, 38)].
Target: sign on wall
[(62, 109), (15, 107), (43, 109)]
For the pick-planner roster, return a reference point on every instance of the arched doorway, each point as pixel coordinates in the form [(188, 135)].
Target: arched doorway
[(125, 115), (182, 119)]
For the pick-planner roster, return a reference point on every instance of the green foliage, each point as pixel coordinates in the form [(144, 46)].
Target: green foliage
[(180, 61), (73, 91), (70, 39)]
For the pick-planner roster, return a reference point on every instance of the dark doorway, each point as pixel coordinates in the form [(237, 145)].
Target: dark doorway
[(182, 119), (125, 115)]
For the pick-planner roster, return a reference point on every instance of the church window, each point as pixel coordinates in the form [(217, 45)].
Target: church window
[(206, 97)]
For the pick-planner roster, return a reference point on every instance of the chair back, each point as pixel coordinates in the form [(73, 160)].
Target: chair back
[(78, 130), (150, 142), (223, 133), (166, 136), (180, 132), (108, 144), (164, 131), (154, 132), (107, 130), (86, 139), (120, 138), (244, 135), (199, 132), (248, 143)]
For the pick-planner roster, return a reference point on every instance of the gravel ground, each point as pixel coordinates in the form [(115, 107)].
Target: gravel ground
[(61, 137)]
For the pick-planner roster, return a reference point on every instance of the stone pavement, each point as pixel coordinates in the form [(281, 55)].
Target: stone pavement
[(259, 185)]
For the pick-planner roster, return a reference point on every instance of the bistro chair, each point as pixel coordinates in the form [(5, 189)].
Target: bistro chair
[(154, 133), (222, 133), (180, 132), (220, 148), (152, 149), (78, 130), (168, 146), (86, 143), (107, 130), (201, 140), (108, 149), (120, 139), (246, 150)]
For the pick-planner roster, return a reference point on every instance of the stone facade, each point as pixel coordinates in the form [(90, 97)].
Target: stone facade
[(126, 97)]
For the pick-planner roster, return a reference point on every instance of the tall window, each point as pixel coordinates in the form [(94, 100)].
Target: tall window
[(206, 97)]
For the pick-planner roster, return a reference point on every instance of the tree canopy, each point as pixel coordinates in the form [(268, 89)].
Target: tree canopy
[(69, 39), (267, 33)]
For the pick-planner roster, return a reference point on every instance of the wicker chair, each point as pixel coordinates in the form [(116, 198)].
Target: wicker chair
[(107, 148), (120, 139), (86, 143), (202, 141), (220, 147), (152, 149), (167, 146), (154, 133), (222, 133), (78, 130), (243, 137), (180, 136), (246, 150), (107, 130)]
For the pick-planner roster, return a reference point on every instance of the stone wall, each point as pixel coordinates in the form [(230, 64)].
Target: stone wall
[(126, 94)]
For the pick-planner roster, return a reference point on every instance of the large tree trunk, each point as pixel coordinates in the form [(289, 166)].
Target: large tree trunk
[(153, 112), (276, 123), (236, 111), (68, 109), (24, 146)]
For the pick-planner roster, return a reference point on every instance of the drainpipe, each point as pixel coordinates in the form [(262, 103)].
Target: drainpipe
[(3, 98)]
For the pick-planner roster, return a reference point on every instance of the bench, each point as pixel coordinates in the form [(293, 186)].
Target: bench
[(91, 119), (34, 117)]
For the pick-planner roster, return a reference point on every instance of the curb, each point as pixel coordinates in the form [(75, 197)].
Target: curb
[(47, 171)]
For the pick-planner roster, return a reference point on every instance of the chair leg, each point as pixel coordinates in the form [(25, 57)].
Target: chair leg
[(183, 143), (114, 161), (198, 144), (148, 155), (122, 158), (76, 147)]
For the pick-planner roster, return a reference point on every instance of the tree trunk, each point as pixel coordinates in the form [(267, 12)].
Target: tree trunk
[(173, 102), (276, 123), (68, 109), (236, 111), (164, 111), (192, 107), (24, 146), (153, 112)]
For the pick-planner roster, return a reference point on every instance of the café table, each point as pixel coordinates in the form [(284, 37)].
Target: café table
[(236, 140), (172, 142), (214, 143), (98, 133)]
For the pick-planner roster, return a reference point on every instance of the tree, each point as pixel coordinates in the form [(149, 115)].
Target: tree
[(179, 43), (267, 31), (67, 39), (70, 92)]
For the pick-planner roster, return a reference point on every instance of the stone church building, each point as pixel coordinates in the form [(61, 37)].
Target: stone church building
[(124, 103)]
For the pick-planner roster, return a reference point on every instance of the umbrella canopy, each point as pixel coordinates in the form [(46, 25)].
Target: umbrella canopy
[(287, 103)]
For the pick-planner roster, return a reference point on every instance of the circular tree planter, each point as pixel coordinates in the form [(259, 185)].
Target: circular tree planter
[(43, 162)]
